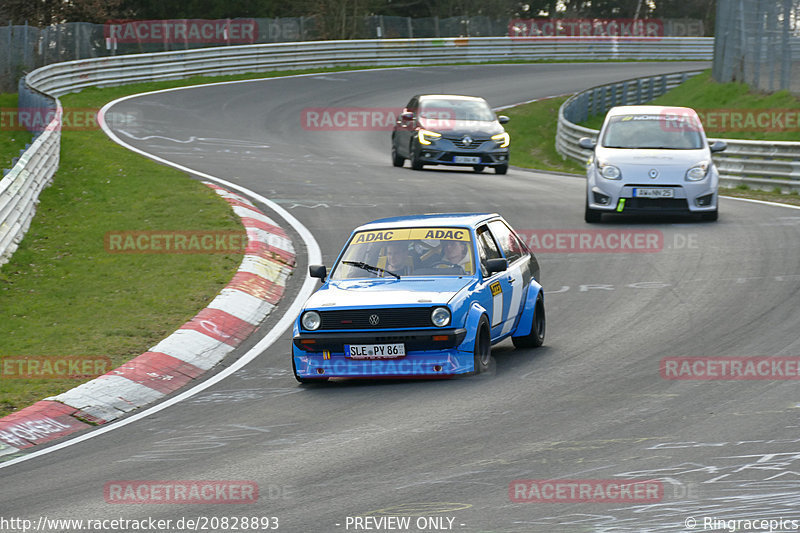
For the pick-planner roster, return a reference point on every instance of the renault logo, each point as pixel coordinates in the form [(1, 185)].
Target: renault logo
[(653, 173), (466, 140), (374, 320)]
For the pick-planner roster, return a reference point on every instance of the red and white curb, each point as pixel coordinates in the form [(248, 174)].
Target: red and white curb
[(193, 349)]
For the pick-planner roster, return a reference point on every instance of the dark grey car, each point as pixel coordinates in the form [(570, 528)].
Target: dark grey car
[(446, 129)]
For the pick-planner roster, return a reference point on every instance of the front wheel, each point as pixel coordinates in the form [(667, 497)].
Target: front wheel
[(501, 169), (710, 216), (591, 216), (413, 157), (538, 326), (483, 346), (478, 168)]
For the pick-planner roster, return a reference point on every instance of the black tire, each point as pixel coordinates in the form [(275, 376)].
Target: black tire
[(501, 169), (591, 216), (478, 168), (710, 216), (413, 158), (538, 327), (306, 381), (483, 346), (397, 160)]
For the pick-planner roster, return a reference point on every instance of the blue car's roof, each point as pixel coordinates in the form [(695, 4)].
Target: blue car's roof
[(438, 219)]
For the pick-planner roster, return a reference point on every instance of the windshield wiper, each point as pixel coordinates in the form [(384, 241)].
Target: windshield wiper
[(370, 268)]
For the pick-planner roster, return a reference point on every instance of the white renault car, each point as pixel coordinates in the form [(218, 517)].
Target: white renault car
[(651, 159)]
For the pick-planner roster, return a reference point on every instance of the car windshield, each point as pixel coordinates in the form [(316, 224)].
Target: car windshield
[(438, 251), (653, 131), (476, 110)]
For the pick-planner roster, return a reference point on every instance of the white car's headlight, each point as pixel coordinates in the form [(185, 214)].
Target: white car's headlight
[(609, 172), (311, 320), (425, 136), (503, 139), (440, 317), (697, 172)]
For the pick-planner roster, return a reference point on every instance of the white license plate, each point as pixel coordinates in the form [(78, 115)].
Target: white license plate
[(374, 351), (653, 193), (467, 159)]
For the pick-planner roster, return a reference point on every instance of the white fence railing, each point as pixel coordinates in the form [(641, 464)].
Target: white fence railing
[(20, 188), (757, 164)]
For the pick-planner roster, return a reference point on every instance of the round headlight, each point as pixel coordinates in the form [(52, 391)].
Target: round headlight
[(311, 320), (440, 317), (697, 173), (610, 172)]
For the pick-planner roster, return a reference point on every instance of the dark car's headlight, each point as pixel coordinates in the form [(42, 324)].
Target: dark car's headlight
[(440, 317), (503, 139), (311, 320), (425, 136)]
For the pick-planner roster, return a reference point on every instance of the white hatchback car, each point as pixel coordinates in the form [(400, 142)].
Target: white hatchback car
[(651, 159)]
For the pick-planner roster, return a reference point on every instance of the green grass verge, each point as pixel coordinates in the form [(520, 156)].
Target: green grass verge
[(11, 142)]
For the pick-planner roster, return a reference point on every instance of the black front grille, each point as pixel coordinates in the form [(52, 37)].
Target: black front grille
[(396, 317), (472, 145)]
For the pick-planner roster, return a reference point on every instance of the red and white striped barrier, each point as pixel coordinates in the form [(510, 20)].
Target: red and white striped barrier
[(185, 355)]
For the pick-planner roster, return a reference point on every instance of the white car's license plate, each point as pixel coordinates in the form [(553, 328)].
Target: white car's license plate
[(468, 159), (653, 193), (374, 351)]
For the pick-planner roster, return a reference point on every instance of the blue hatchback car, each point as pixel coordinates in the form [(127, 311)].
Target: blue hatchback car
[(420, 296)]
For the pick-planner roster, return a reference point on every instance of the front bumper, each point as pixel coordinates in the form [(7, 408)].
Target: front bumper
[(425, 356), (444, 151), (688, 197)]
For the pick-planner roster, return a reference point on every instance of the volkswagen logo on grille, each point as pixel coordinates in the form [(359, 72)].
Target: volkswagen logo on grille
[(466, 140), (374, 320), (653, 173)]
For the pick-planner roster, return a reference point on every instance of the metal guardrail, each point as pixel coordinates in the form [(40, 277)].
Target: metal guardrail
[(762, 165), (19, 190)]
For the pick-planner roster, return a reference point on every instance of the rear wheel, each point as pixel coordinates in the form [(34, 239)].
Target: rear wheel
[(483, 346), (501, 169), (397, 160), (538, 326)]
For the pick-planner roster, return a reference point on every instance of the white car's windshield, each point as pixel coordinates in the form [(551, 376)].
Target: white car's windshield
[(407, 252), (652, 131)]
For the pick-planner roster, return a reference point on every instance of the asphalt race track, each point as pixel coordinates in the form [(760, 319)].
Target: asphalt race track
[(589, 405)]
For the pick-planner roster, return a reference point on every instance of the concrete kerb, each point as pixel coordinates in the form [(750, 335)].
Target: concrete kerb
[(195, 348)]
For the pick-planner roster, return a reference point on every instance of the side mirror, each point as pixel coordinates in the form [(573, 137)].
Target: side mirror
[(718, 146), (496, 265), (502, 119), (587, 143), (406, 116), (318, 271)]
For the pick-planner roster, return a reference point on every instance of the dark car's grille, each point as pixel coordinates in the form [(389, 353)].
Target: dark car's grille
[(458, 141), (397, 317)]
